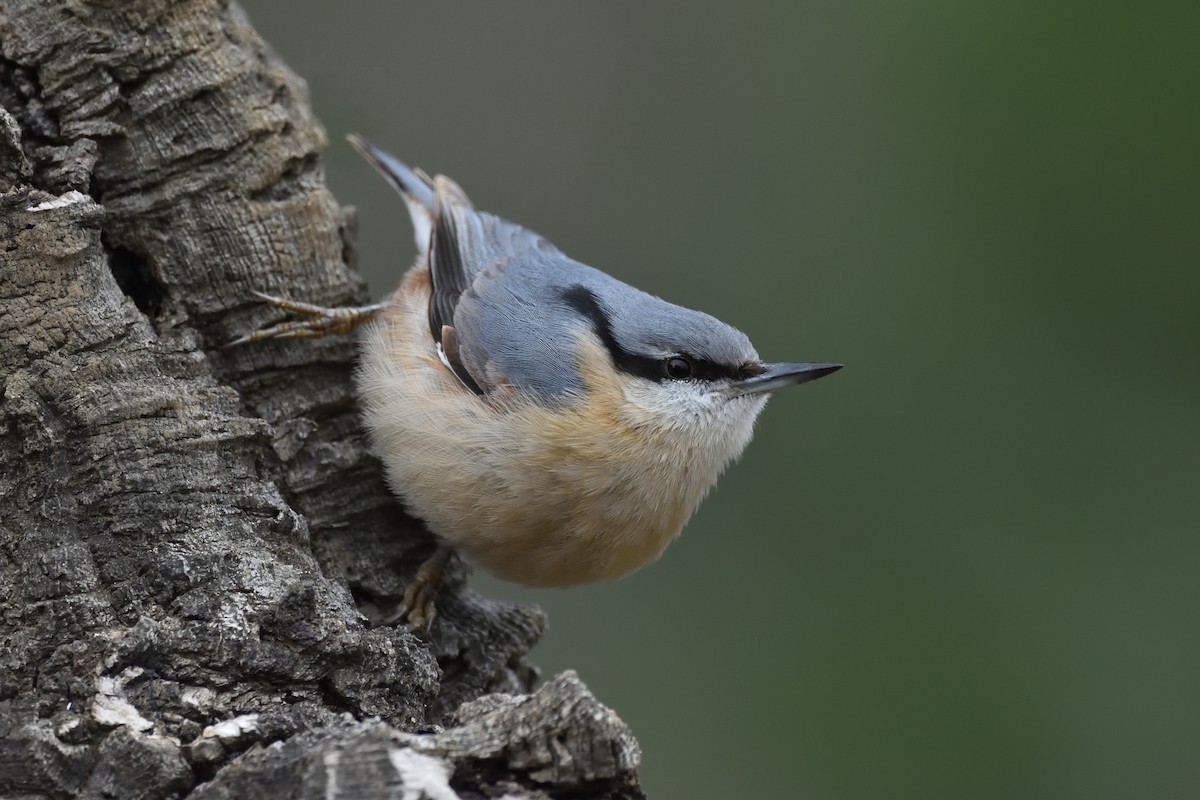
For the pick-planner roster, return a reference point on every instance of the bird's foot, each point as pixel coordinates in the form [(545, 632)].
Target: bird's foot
[(417, 609), (320, 320)]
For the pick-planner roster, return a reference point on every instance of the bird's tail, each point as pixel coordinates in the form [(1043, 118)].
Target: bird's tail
[(410, 183), (425, 197)]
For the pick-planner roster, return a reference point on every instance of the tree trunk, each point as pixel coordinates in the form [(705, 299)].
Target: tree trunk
[(194, 541)]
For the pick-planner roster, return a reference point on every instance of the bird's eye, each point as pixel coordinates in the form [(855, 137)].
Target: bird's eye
[(678, 367)]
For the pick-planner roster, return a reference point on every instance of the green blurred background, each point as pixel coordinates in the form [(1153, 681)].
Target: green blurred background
[(965, 566)]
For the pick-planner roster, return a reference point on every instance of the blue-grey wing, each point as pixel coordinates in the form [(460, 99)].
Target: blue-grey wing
[(499, 291)]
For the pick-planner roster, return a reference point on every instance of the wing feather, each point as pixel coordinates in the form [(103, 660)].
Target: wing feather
[(448, 267)]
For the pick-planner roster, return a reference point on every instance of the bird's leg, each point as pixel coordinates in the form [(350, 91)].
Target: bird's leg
[(417, 608), (321, 321)]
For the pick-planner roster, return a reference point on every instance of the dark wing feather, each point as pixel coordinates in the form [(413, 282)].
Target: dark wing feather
[(450, 272), (447, 271)]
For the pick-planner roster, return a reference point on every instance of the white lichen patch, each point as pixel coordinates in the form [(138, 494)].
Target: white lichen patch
[(109, 708), (69, 199), (232, 730), (422, 777)]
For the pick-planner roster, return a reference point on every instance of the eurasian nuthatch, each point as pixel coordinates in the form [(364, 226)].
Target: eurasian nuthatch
[(554, 424)]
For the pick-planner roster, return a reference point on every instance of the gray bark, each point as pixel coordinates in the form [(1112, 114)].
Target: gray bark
[(194, 541)]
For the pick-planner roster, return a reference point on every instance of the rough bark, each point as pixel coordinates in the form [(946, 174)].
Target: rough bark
[(194, 541)]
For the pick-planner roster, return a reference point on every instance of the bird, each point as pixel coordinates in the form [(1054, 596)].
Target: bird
[(551, 423)]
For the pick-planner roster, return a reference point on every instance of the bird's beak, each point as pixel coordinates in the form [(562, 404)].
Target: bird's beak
[(777, 376)]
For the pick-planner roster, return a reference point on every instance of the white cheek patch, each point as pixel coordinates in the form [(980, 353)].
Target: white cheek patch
[(710, 425), (688, 405)]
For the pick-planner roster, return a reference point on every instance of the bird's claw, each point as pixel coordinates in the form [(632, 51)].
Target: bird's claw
[(417, 609), (320, 320)]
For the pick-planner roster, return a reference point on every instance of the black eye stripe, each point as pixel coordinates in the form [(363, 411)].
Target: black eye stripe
[(584, 301), (705, 370)]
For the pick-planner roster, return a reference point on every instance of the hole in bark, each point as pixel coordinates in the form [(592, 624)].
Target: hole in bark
[(136, 279)]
